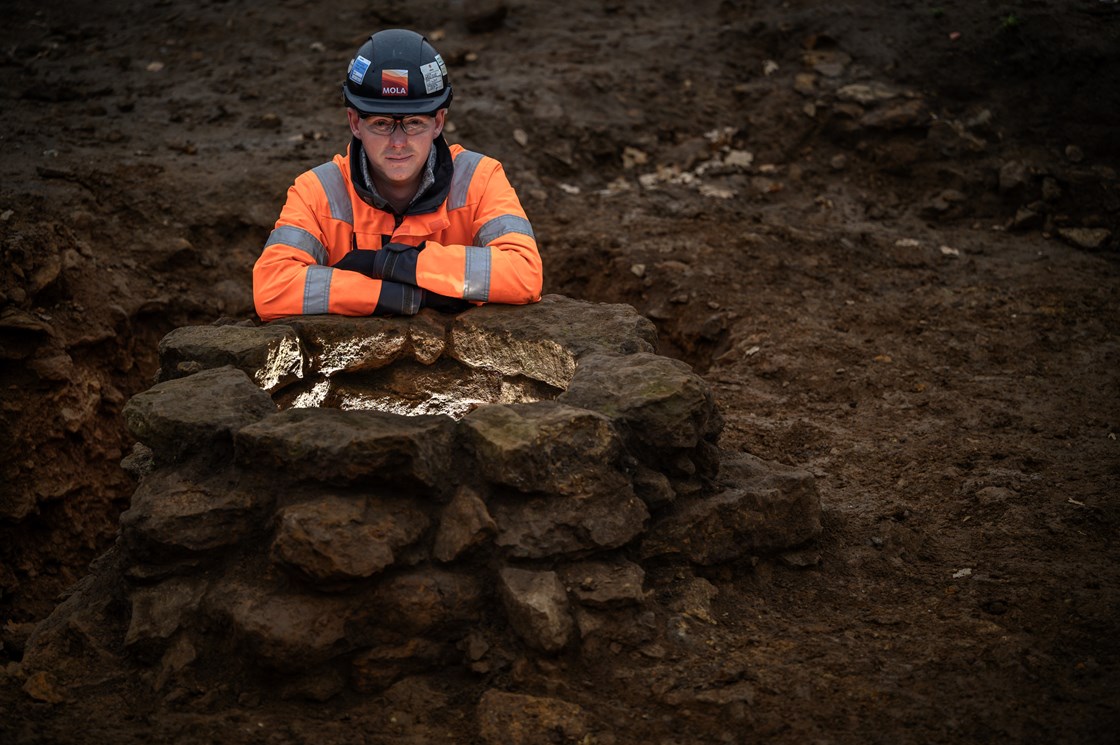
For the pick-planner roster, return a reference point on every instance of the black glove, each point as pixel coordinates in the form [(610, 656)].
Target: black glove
[(399, 299), (396, 262), (443, 303), (358, 260)]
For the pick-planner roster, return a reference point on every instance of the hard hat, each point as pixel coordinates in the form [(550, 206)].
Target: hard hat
[(397, 72)]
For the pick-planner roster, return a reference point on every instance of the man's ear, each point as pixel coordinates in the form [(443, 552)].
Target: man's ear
[(441, 119), (352, 118)]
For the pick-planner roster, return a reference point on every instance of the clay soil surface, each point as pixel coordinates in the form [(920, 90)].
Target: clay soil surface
[(886, 234)]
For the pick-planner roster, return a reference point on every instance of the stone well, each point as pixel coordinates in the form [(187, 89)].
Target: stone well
[(329, 502)]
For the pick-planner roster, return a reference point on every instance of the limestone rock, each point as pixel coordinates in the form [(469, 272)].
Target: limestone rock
[(544, 527), (1089, 238), (516, 719), (411, 389), (424, 600), (378, 668), (343, 447), (335, 539), (652, 487), (201, 411), (161, 610), (172, 515), (338, 344), (464, 524), (286, 631), (269, 355), (537, 606), (867, 93), (545, 447), (764, 508), (140, 462), (542, 341), (600, 584), (661, 402)]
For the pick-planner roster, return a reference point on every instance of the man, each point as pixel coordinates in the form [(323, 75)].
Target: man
[(402, 221)]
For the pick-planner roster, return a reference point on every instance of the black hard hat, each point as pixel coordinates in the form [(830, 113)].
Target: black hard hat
[(397, 72)]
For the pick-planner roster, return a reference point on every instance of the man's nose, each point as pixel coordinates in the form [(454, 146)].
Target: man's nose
[(397, 138)]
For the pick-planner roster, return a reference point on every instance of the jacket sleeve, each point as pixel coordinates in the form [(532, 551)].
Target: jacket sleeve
[(501, 262), (293, 275)]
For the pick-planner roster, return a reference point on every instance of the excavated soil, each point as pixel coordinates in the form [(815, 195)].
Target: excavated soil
[(886, 233)]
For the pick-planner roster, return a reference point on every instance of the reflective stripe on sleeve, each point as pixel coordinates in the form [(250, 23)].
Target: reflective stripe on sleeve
[(317, 290), (476, 277), (501, 225), (465, 163), (290, 235), (335, 188)]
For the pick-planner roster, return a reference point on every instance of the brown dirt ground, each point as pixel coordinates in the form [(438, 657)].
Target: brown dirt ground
[(865, 305)]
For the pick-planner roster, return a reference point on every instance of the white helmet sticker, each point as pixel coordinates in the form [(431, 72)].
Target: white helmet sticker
[(433, 78), (358, 69), (439, 61)]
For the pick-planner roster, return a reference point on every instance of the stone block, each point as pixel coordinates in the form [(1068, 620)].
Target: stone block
[(269, 355), (517, 719), (464, 524), (197, 413), (545, 447), (344, 447), (286, 631), (602, 584), (172, 515), (764, 508), (544, 527), (537, 607), (161, 610), (424, 600), (345, 344), (542, 341), (659, 401), (335, 539)]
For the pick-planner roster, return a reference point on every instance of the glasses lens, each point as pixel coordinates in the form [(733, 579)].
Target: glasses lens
[(412, 125), (415, 125), (380, 125)]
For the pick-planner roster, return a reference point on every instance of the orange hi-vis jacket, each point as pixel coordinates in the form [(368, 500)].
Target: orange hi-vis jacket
[(476, 242)]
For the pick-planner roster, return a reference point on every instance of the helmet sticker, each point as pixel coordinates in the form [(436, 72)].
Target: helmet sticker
[(394, 82), (442, 67), (433, 78), (358, 69)]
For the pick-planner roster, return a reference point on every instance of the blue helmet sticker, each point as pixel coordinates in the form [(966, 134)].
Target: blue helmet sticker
[(358, 69)]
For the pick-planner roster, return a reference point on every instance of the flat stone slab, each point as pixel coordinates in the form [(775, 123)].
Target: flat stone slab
[(545, 447), (545, 527), (270, 355), (661, 402), (346, 344), (543, 340), (338, 539), (765, 507), (342, 447), (172, 516), (198, 412)]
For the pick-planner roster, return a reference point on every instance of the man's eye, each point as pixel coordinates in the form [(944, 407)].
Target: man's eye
[(380, 123)]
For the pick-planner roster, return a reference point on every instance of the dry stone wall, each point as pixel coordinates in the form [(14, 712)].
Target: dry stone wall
[(291, 523)]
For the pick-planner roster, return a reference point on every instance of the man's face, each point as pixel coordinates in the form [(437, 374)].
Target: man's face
[(396, 159)]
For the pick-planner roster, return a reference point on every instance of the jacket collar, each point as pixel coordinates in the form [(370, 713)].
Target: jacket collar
[(435, 180)]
